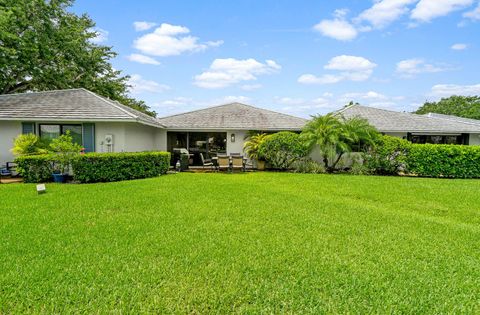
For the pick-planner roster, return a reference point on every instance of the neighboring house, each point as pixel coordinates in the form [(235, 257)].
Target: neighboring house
[(224, 128), (91, 119), (429, 128), (102, 125)]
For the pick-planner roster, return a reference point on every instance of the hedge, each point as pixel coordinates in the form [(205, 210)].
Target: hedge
[(96, 167), (393, 155), (35, 168), (109, 167), (444, 160)]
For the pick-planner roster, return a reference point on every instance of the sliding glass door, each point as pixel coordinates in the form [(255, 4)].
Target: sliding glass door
[(207, 143)]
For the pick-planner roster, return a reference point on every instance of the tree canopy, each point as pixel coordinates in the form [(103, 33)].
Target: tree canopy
[(43, 46), (462, 106)]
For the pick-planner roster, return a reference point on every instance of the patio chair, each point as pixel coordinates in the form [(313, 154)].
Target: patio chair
[(237, 163), (235, 154), (223, 163), (206, 162)]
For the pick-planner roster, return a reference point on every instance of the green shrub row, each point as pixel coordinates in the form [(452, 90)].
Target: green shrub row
[(393, 155), (35, 168), (444, 160), (109, 167), (96, 167)]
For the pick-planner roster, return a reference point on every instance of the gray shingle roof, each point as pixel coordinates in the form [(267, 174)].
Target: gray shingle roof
[(455, 118), (68, 105), (391, 121), (233, 116)]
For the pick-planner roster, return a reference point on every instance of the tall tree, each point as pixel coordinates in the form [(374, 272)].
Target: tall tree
[(462, 106), (43, 46)]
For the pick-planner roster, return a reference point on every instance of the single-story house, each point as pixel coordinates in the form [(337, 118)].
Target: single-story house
[(428, 128), (99, 124), (224, 128), (103, 125)]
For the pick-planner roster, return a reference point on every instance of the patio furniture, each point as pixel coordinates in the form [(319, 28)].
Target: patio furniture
[(223, 163), (235, 154), (206, 162), (4, 172), (238, 163)]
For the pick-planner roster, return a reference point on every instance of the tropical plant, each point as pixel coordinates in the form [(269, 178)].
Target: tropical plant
[(45, 46), (28, 144), (336, 136), (65, 151), (252, 145), (307, 165)]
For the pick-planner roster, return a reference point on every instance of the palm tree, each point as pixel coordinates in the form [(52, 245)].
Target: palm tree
[(336, 136)]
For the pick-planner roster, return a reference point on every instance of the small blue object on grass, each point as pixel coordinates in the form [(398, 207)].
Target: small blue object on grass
[(59, 178)]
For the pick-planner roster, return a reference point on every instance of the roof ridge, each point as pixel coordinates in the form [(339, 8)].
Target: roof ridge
[(346, 107), (41, 92), (457, 119), (228, 104), (111, 102), (197, 110)]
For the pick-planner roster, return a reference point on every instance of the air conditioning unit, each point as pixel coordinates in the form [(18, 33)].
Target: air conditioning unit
[(109, 140)]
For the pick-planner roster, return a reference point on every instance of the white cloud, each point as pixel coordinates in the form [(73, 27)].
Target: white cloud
[(235, 99), (324, 79), (143, 25), (250, 87), (384, 12), (459, 46), (426, 10), (140, 85), (338, 28), (410, 67), (370, 95), (171, 40), (350, 68), (102, 36), (474, 14), (143, 59), (445, 90), (229, 71)]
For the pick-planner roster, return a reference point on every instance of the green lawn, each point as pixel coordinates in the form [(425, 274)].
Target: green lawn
[(246, 243)]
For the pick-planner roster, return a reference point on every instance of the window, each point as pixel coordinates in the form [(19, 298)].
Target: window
[(438, 139), (49, 132)]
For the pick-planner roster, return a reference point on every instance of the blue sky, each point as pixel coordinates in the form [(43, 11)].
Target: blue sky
[(298, 57)]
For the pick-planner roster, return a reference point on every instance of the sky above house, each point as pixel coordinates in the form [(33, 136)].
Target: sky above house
[(297, 57)]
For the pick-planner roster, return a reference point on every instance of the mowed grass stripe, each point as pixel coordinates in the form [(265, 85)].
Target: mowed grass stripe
[(246, 243)]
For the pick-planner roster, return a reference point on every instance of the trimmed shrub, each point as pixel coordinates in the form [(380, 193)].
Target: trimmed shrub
[(109, 167), (393, 155), (388, 156), (444, 160), (281, 149), (35, 168)]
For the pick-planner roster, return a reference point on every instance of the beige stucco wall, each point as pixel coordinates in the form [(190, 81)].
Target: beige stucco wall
[(474, 139), (8, 131), (116, 129), (237, 146), (160, 140), (129, 137)]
